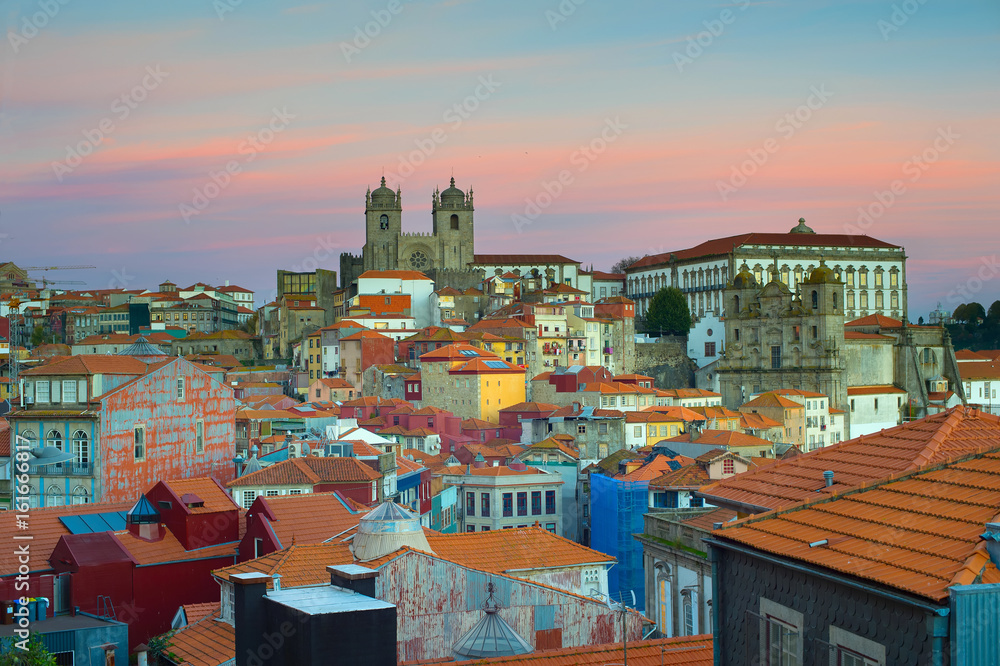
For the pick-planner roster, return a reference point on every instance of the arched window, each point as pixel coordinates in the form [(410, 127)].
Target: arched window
[(54, 439), (80, 495), (690, 623), (454, 222), (815, 299), (54, 497), (81, 449), (29, 435), (736, 305)]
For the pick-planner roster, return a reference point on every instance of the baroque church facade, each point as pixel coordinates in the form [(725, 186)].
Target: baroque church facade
[(443, 255)]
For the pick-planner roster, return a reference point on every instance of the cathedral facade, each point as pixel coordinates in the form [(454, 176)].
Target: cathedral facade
[(444, 254)]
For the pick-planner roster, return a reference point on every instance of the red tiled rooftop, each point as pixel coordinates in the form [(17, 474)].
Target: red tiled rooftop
[(206, 642), (917, 532), (860, 461), (309, 471), (685, 651)]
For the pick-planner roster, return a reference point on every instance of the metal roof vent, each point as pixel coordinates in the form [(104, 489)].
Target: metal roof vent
[(992, 538), (828, 478)]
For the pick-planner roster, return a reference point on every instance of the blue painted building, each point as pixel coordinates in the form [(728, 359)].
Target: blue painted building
[(616, 511), (82, 639)]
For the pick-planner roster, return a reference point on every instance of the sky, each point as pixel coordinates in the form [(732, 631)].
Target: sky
[(214, 140)]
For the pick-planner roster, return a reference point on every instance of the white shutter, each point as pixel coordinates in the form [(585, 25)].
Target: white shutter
[(81, 391), (55, 391)]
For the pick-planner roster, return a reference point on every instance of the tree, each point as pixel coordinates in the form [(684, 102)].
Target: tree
[(993, 314), (35, 655), (960, 313), (623, 263), (668, 313), (920, 321), (975, 313), (38, 337)]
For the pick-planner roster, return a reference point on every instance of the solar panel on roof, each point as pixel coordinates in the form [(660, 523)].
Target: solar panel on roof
[(496, 364), (90, 523), (468, 352), (74, 524)]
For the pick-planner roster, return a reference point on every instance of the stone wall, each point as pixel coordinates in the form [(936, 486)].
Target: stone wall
[(666, 362)]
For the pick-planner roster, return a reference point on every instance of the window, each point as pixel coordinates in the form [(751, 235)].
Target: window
[(522, 504), (508, 505), (139, 441), (602, 428), (199, 436), (485, 502), (550, 502), (776, 358), (551, 527), (180, 388), (470, 528), (581, 429), (81, 449), (637, 431), (688, 614), (42, 391), (69, 390), (248, 497), (847, 649), (728, 466), (781, 640), (709, 349), (536, 502)]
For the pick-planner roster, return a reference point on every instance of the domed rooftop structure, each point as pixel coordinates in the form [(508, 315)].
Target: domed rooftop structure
[(453, 194), (822, 273), (491, 636), (744, 279), (801, 228), (144, 351), (383, 194), (387, 529)]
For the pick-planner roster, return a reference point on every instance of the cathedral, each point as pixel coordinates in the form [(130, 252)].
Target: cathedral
[(443, 255)]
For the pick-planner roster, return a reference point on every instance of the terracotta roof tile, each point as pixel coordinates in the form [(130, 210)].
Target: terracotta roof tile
[(520, 259), (686, 651), (724, 438), (879, 320), (873, 390), (195, 612), (917, 531), (207, 642), (308, 519), (772, 400), (509, 551), (309, 471), (860, 461)]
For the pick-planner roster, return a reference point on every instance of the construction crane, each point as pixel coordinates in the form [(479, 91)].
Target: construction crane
[(54, 268)]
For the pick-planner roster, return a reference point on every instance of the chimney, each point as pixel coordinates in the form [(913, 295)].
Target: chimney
[(828, 478), (695, 434), (250, 620), (992, 538), (354, 577)]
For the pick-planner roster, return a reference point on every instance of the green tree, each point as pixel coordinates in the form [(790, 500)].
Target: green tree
[(975, 313), (38, 337), (668, 313), (35, 655), (960, 313), (993, 314), (623, 263)]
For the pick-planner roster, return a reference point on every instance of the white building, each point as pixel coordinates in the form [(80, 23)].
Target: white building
[(874, 408), (874, 272), (555, 267), (414, 283)]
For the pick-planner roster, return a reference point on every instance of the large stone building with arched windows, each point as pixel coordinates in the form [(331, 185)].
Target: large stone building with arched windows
[(873, 273), (445, 253)]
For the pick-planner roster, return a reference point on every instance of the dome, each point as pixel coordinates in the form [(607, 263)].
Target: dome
[(453, 194), (491, 636), (144, 351), (744, 279), (801, 228), (383, 194), (387, 529), (822, 273)]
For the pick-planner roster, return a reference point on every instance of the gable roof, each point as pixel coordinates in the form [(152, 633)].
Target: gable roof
[(773, 400), (91, 364), (499, 551), (308, 519), (918, 532), (879, 320), (207, 641), (859, 461), (309, 471), (723, 438)]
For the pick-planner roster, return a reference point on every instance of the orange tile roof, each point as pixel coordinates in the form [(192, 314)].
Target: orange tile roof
[(879, 320), (979, 370), (309, 471), (917, 531), (91, 364), (873, 390), (169, 549), (195, 612), (859, 461), (298, 564), (689, 393), (706, 521), (689, 476), (520, 259), (550, 443), (858, 335), (509, 551), (773, 400), (365, 335), (307, 519), (723, 438), (208, 490), (685, 651), (655, 468), (715, 412), (497, 470), (653, 417), (45, 530), (751, 421), (682, 413), (969, 355), (206, 642), (799, 392)]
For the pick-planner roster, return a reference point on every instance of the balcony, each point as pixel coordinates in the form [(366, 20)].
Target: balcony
[(609, 350)]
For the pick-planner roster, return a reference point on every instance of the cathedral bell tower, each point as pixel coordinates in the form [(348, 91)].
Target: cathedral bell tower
[(453, 227), (383, 225)]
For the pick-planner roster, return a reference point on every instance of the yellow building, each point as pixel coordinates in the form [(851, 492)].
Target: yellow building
[(470, 382), (648, 428), (312, 356)]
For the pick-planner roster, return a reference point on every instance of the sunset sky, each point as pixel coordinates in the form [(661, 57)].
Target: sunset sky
[(673, 111)]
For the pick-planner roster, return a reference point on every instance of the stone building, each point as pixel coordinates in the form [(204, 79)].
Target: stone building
[(447, 250), (778, 339)]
